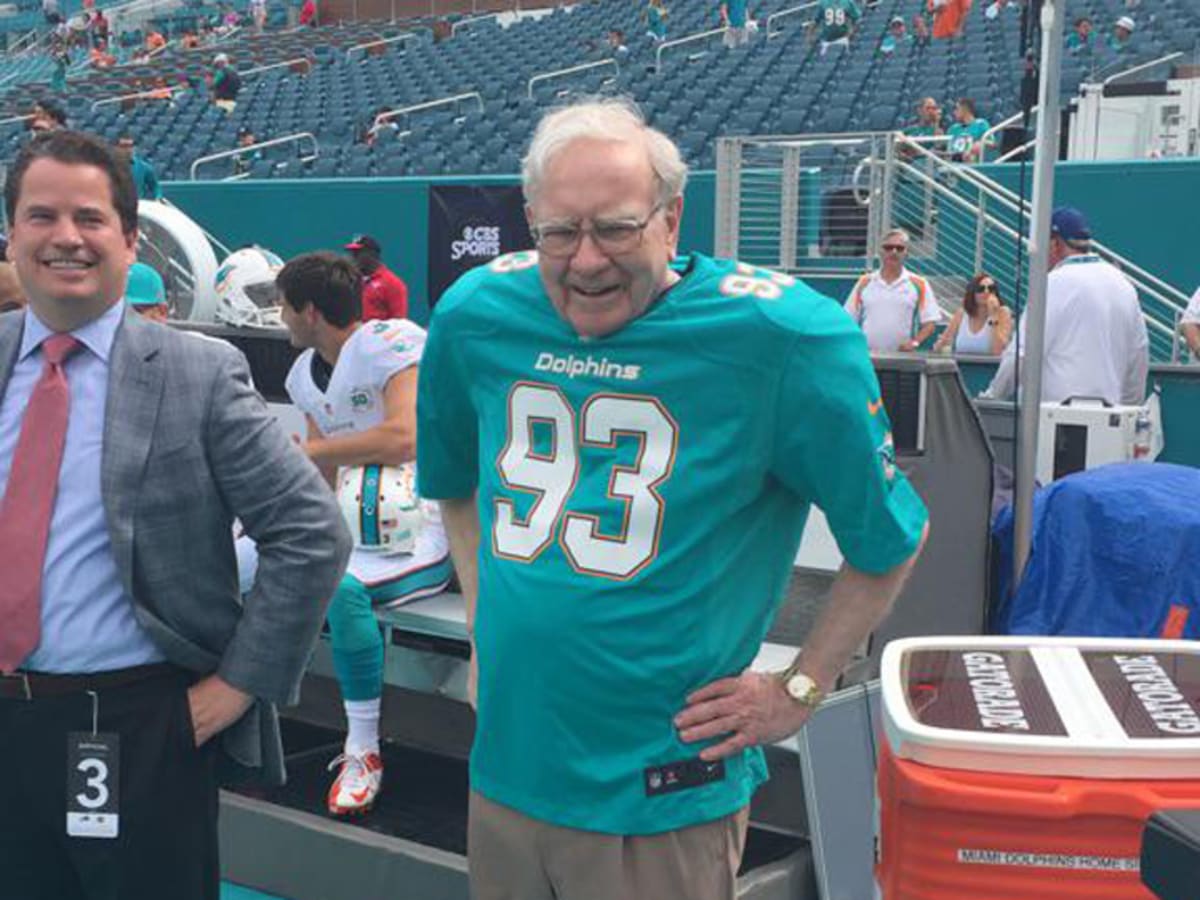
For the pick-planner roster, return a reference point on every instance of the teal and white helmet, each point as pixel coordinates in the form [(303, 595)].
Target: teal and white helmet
[(381, 507), (245, 289)]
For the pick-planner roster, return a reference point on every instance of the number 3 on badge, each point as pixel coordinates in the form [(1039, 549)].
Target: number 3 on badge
[(92, 785)]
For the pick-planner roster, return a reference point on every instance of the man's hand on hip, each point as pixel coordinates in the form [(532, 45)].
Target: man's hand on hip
[(215, 705), (748, 710)]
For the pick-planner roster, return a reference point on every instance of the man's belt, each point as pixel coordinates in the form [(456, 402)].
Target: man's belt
[(39, 685)]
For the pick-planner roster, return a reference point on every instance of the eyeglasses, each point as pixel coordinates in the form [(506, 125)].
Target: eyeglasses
[(895, 248), (613, 236), (984, 288)]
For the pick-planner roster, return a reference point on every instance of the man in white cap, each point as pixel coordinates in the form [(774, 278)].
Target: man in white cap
[(224, 83), (1096, 344), (1122, 35)]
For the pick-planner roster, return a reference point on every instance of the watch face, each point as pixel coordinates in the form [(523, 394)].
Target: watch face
[(800, 687)]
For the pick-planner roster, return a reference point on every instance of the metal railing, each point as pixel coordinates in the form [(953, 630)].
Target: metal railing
[(558, 73), (463, 23), (1016, 151), (791, 11), (679, 42), (12, 120), (1014, 208), (1141, 67), (1005, 123), (287, 63), (148, 94), (430, 104), (382, 42), (297, 138), (816, 205)]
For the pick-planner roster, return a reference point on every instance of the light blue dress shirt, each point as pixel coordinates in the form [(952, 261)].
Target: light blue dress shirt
[(88, 622)]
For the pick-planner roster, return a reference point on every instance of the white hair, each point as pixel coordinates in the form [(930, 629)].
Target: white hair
[(603, 119), (895, 232)]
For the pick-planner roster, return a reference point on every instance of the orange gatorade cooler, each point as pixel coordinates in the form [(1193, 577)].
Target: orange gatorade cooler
[(1024, 768)]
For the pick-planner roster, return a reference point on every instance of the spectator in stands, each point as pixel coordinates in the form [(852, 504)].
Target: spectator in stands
[(949, 17), (733, 19), (1095, 341), (99, 28), (258, 14), (230, 19), (99, 56), (384, 295), (836, 21), (189, 40), (244, 161), (47, 116), (615, 42), (160, 89), (1191, 326), (620, 722), (982, 325), (51, 12), (61, 57), (929, 120), (308, 13), (996, 7), (224, 83), (896, 37), (145, 293), (895, 308), (144, 177), (154, 40), (79, 30), (375, 127), (11, 295), (920, 30), (655, 17), (1080, 40), (967, 134), (1122, 35)]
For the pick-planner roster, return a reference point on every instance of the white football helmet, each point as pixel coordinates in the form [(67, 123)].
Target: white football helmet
[(381, 507), (245, 288)]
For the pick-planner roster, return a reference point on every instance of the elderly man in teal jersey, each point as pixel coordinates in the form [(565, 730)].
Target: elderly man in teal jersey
[(626, 449)]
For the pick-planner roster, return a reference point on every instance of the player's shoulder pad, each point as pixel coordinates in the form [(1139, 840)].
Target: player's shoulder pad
[(397, 335), (783, 300)]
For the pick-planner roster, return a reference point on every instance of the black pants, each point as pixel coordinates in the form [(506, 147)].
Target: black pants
[(167, 846)]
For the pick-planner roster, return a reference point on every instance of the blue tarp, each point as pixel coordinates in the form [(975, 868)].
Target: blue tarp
[(1116, 551)]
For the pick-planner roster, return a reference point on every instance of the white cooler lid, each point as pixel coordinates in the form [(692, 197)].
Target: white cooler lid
[(1081, 707)]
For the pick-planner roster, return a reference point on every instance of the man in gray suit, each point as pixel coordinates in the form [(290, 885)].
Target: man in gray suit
[(126, 657)]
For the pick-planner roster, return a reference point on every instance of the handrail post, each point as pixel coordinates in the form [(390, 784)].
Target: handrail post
[(700, 35), (787, 12), (546, 76), (298, 137)]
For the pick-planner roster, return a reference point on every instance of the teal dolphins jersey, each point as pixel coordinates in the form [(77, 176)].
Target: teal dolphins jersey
[(836, 18), (641, 499)]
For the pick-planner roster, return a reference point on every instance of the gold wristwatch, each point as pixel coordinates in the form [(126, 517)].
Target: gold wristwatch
[(803, 689)]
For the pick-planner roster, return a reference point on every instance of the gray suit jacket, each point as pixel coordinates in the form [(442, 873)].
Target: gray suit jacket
[(189, 445)]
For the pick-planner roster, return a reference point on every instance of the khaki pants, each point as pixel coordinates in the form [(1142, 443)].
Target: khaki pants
[(514, 857)]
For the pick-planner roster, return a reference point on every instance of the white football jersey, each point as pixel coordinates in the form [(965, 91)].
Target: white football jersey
[(353, 402)]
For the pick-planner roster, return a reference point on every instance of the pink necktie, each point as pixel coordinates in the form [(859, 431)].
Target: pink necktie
[(29, 503)]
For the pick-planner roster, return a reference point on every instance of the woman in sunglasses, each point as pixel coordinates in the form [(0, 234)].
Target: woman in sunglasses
[(983, 325)]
